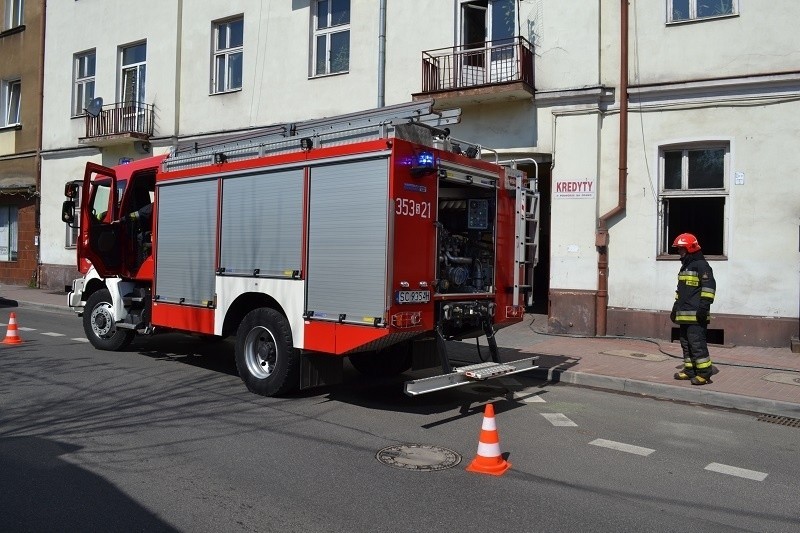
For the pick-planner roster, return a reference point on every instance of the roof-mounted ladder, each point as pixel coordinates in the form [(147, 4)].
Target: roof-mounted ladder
[(341, 129)]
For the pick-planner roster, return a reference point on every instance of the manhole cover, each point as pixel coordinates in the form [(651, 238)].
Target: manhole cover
[(419, 457), (778, 377)]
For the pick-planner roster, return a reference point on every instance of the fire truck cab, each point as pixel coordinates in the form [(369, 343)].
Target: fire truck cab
[(374, 236)]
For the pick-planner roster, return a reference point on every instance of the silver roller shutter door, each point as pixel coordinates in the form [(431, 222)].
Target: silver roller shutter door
[(187, 222), (347, 241), (262, 223)]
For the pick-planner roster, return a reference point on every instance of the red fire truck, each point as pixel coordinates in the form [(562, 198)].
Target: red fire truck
[(374, 236)]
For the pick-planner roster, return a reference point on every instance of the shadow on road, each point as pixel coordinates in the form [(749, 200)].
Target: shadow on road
[(43, 492), (210, 353), (217, 355), (4, 303)]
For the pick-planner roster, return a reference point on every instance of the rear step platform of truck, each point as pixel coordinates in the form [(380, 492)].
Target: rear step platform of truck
[(468, 374)]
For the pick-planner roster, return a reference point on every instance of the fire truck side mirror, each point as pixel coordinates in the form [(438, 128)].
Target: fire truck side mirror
[(71, 189), (68, 212)]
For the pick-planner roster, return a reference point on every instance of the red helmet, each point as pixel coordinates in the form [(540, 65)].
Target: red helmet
[(688, 241)]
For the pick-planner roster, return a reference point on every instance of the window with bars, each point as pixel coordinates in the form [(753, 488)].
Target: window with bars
[(83, 82), (227, 55), (694, 192), (331, 38)]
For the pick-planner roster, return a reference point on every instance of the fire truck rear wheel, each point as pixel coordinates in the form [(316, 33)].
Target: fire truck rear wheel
[(266, 358), (98, 323), (388, 362)]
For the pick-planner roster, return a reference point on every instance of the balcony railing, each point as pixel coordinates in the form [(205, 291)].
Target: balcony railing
[(477, 65), (121, 119)]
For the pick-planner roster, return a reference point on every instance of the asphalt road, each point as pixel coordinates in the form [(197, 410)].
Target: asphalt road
[(164, 437)]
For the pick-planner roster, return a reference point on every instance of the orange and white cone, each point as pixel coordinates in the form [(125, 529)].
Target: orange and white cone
[(489, 459), (12, 337)]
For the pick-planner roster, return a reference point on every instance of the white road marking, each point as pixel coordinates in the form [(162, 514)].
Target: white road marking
[(738, 472), (80, 339), (622, 447), (26, 329), (559, 419), (51, 334), (528, 397)]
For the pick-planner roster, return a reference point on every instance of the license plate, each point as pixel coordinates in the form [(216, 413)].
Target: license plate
[(413, 297)]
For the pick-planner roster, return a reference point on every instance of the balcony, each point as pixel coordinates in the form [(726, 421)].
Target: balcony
[(478, 73), (119, 123)]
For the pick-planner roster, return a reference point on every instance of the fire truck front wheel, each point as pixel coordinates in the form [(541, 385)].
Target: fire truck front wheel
[(266, 359), (98, 323)]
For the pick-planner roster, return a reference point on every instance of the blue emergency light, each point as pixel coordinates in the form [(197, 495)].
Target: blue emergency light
[(424, 163)]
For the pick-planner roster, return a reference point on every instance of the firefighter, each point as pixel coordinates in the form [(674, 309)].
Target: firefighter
[(140, 225), (691, 311), (142, 215)]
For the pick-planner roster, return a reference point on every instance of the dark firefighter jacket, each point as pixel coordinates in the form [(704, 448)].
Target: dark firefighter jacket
[(696, 290)]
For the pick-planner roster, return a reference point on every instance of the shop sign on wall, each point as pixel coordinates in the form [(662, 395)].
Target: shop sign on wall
[(580, 188)]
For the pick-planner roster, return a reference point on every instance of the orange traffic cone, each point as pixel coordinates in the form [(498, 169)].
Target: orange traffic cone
[(12, 337), (489, 460)]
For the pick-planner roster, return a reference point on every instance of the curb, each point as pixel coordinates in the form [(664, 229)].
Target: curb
[(61, 309), (10, 303), (669, 392)]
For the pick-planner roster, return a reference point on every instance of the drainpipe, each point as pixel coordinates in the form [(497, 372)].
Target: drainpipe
[(382, 55), (39, 141), (176, 132), (601, 237)]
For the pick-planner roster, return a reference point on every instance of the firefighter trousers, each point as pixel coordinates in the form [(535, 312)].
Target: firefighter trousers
[(696, 359)]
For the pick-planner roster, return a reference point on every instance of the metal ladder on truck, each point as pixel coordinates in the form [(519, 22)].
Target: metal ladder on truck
[(526, 231), (291, 136)]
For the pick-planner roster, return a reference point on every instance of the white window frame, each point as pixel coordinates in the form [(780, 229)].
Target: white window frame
[(665, 195), (83, 81), (139, 69), (10, 106), (327, 33), (13, 16), (9, 238), (223, 57), (693, 12), (134, 109)]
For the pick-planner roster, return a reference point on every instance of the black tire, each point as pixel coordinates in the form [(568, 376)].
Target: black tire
[(266, 358), (388, 362), (98, 324)]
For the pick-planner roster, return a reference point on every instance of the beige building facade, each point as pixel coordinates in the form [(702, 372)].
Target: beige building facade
[(21, 50), (641, 120)]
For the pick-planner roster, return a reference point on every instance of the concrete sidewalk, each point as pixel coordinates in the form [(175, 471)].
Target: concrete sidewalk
[(762, 380)]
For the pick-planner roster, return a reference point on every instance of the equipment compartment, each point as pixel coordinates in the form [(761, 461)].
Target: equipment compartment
[(466, 237)]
